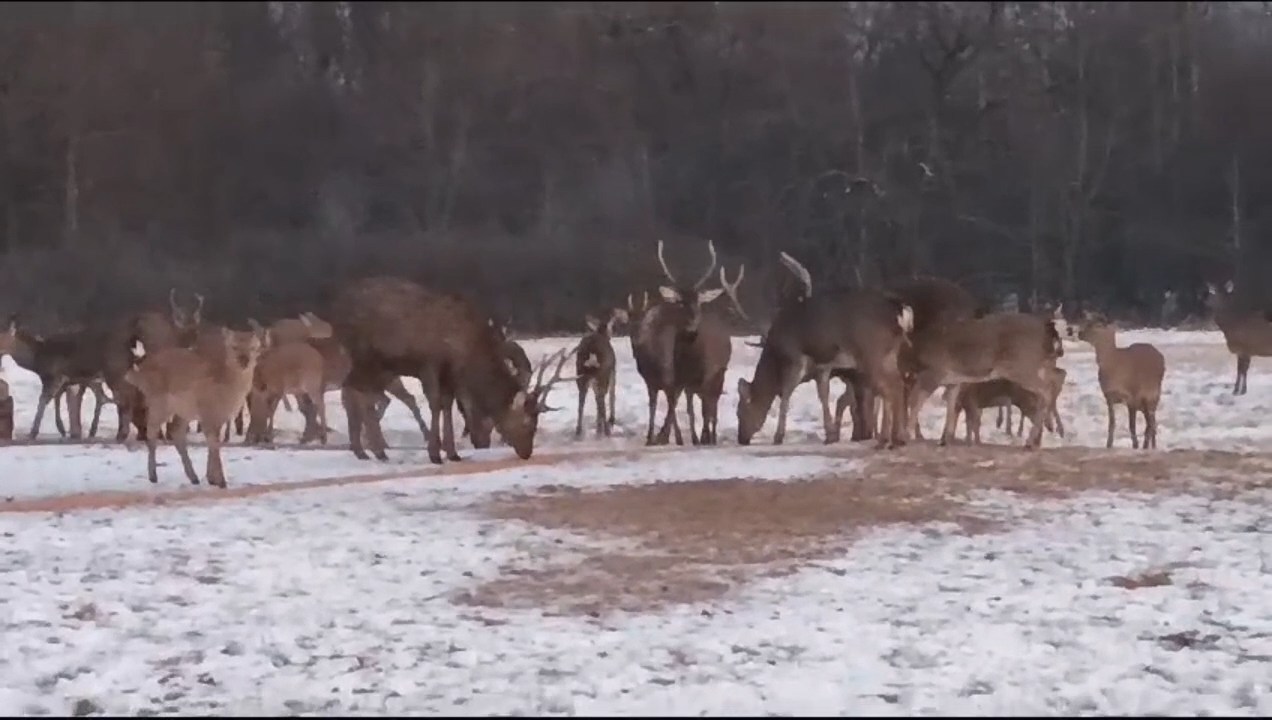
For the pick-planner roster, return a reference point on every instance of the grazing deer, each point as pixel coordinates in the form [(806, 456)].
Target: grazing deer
[(156, 330), (1130, 376), (391, 326), (291, 368), (1248, 333), (837, 330), (975, 397), (656, 330), (479, 429), (62, 359), (596, 368), (1015, 346), (180, 385), (6, 413)]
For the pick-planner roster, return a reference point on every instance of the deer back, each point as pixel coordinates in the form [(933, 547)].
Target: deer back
[(290, 367)]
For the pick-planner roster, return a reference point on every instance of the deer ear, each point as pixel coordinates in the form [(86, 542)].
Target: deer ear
[(1228, 287), (306, 320), (592, 323), (669, 294), (707, 296), (618, 317)]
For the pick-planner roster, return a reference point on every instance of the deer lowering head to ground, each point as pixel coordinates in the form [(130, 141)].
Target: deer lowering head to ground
[(839, 329), (655, 330), (1247, 332), (181, 385), (1130, 376), (391, 327), (975, 397), (596, 369), (1014, 346)]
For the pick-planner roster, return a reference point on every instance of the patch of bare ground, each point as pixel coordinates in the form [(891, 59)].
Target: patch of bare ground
[(694, 541)]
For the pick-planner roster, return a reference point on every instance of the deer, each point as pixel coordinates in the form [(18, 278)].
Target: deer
[(657, 331), (290, 368), (1247, 333), (335, 367), (392, 326), (58, 360), (157, 330), (73, 396), (1130, 376), (596, 369), (6, 412), (1004, 406), (837, 330), (479, 429), (974, 397), (702, 358), (1018, 347), (283, 331), (180, 384)]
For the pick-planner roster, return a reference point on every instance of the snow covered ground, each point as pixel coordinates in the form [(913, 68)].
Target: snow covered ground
[(344, 599)]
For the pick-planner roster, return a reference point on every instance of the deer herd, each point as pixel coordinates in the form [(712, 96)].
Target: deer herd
[(892, 348)]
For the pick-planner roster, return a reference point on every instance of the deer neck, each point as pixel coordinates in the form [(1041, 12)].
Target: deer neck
[(764, 385), (1105, 345), (491, 385), (23, 351)]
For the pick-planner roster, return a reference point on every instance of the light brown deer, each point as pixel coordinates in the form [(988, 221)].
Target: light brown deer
[(1130, 376), (180, 385), (975, 397), (157, 330), (290, 368), (1014, 346), (838, 330), (391, 327), (596, 369), (1248, 333), (1054, 422), (1003, 420)]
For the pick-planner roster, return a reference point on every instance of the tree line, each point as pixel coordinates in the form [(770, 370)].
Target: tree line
[(1111, 155)]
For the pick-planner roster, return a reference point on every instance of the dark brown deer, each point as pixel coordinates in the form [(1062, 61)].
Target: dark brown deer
[(1247, 332), (58, 360), (836, 330), (596, 369), (392, 326), (479, 430), (335, 367), (656, 330)]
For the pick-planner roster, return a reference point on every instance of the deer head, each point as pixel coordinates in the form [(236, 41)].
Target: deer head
[(611, 320), (520, 422), (181, 319), (689, 298)]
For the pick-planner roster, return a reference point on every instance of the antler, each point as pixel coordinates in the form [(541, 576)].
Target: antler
[(710, 267), (540, 388), (732, 290), (671, 278), (198, 308), (172, 302), (800, 272)]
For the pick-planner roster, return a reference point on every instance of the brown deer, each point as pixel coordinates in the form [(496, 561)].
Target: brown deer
[(391, 326), (6, 413), (975, 397), (156, 330), (836, 330), (1058, 376), (1130, 376), (596, 369), (180, 385), (1015, 346), (657, 329), (290, 368), (1005, 406), (480, 429), (73, 396), (1248, 333), (702, 358)]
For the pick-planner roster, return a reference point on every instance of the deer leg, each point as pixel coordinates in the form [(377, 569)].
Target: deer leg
[(179, 434), (822, 380), (891, 388), (123, 408), (57, 412), (399, 391), (74, 409), (287, 405), (215, 472), (602, 423), (582, 384), (1150, 426), (431, 383), (670, 422), (48, 390), (1131, 410), (448, 429), (355, 410), (151, 435), (99, 395), (653, 409), (951, 414), (925, 384), (1109, 442), (846, 399), (613, 383), (1243, 366), (319, 402)]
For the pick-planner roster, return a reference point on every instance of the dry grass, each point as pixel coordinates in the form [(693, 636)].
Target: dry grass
[(694, 541)]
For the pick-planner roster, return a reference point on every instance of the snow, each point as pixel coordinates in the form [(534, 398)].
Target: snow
[(343, 599)]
